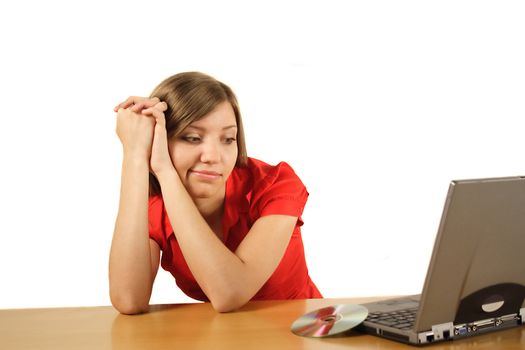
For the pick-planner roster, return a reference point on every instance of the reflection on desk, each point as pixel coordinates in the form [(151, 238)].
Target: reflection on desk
[(258, 325)]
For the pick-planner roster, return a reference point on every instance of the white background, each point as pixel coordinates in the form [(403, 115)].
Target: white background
[(376, 104)]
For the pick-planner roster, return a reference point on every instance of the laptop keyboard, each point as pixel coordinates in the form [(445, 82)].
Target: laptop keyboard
[(400, 319)]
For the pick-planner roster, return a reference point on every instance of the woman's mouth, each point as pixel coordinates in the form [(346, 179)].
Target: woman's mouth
[(206, 174)]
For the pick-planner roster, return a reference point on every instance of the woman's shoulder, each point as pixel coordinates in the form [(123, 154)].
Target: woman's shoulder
[(259, 178), (257, 171), (274, 189)]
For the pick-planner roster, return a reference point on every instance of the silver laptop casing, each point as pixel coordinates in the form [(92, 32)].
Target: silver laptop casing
[(475, 281)]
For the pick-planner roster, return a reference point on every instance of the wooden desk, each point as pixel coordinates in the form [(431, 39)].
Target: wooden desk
[(259, 325)]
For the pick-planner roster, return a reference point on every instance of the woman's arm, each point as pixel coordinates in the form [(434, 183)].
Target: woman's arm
[(229, 279), (134, 258)]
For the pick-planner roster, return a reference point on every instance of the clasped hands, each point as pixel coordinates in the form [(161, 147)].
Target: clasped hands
[(141, 128)]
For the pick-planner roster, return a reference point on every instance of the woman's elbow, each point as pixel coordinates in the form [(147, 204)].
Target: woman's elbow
[(224, 307), (227, 303), (129, 306)]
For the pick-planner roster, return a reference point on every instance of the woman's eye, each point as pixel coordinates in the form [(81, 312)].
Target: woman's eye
[(192, 139), (229, 140)]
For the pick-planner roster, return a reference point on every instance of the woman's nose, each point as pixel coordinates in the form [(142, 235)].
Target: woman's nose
[(210, 153)]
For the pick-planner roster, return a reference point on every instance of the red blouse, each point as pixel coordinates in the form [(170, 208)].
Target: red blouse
[(251, 192)]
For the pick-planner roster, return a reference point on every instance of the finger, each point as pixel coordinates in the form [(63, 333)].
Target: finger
[(137, 100), (161, 106), (130, 101), (137, 107), (125, 104), (156, 113), (146, 103)]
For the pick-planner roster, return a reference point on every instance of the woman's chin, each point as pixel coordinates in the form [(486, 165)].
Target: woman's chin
[(203, 192)]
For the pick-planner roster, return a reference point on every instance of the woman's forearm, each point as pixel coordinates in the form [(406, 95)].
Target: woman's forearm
[(130, 266), (214, 266)]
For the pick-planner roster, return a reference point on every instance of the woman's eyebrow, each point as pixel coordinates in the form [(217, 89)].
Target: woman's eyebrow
[(203, 128)]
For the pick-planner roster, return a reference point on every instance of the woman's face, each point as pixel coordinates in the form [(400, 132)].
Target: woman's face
[(205, 153)]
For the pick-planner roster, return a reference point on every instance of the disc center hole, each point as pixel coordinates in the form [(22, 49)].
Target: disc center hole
[(329, 319)]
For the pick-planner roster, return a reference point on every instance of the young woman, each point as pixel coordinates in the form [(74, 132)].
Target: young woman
[(228, 225)]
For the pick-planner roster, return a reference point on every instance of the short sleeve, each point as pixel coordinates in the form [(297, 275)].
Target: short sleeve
[(157, 221), (280, 192)]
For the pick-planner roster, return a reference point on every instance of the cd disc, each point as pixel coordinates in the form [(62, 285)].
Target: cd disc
[(329, 320)]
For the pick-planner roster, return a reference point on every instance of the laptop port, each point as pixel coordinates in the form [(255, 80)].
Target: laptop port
[(484, 325), (460, 330), (430, 337)]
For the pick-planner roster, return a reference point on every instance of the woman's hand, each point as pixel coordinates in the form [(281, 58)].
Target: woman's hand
[(134, 130), (153, 109), (160, 160)]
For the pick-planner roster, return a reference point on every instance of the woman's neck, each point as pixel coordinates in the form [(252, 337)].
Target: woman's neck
[(211, 209), (212, 212)]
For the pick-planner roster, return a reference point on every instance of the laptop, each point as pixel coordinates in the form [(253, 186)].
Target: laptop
[(475, 281)]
